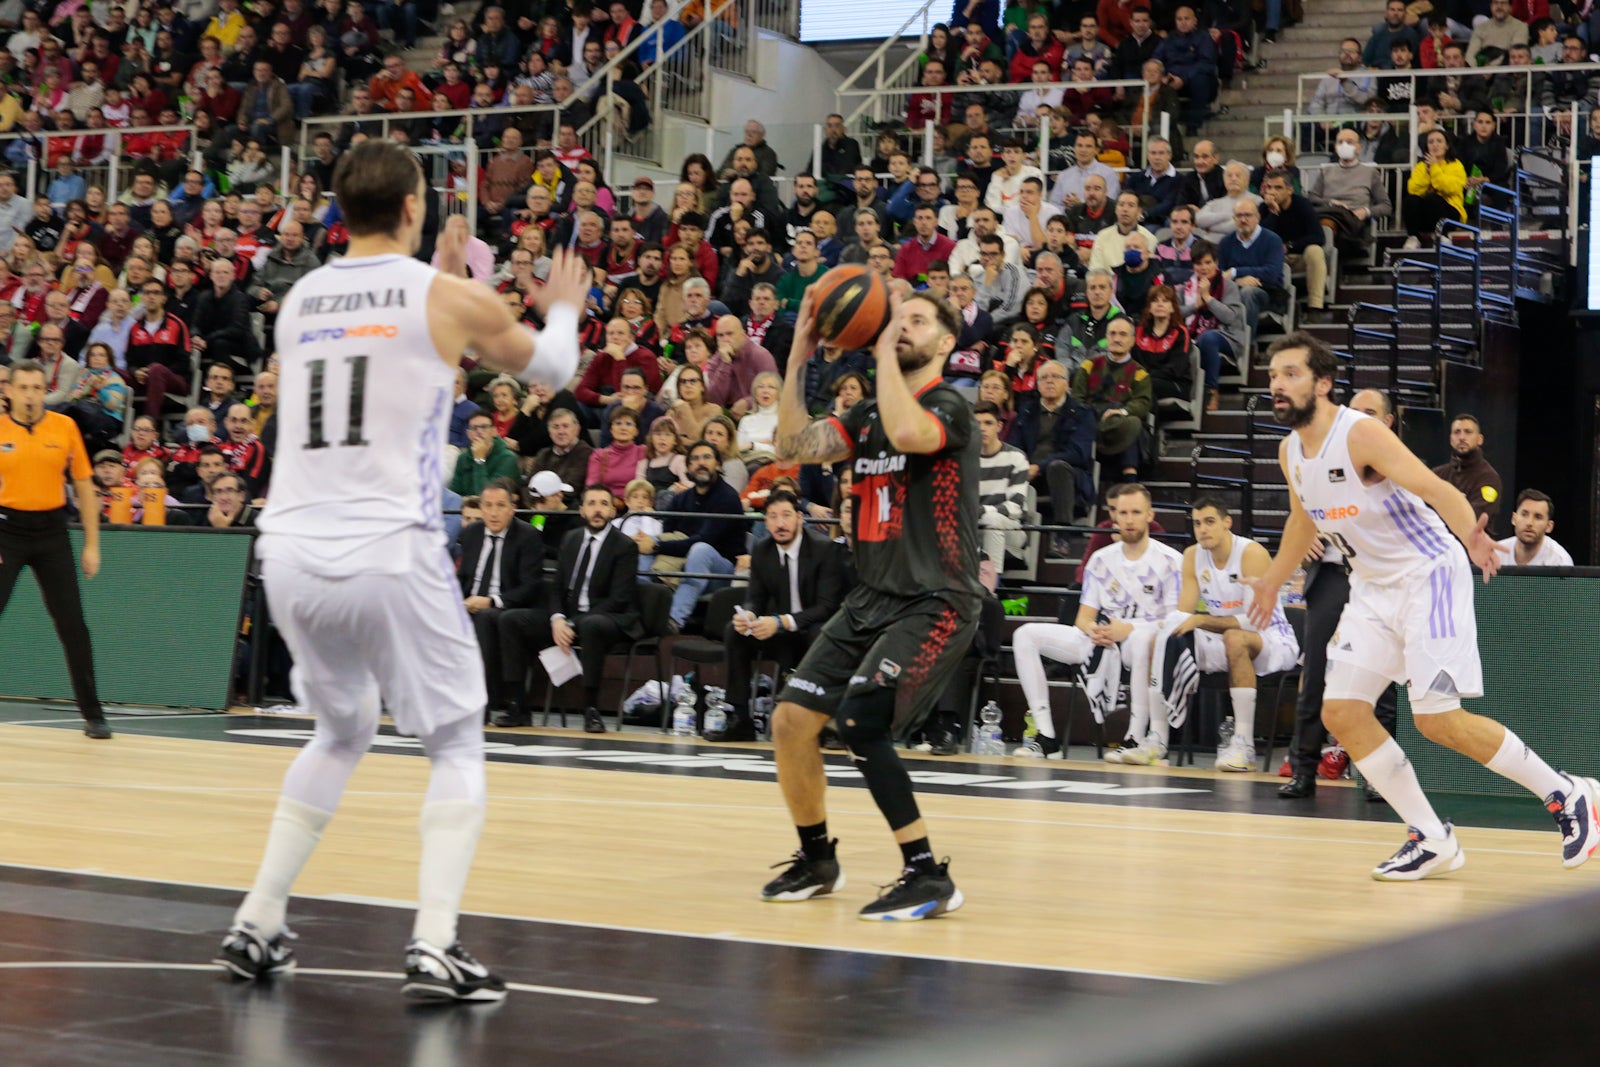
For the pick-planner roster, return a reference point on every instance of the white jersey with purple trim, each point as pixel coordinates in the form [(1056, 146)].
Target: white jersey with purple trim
[(363, 414), (1223, 593), (1144, 588), (1385, 532)]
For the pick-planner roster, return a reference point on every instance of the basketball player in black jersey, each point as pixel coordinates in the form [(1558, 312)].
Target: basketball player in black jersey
[(880, 663)]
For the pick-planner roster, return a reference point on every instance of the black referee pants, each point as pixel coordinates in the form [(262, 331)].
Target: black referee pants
[(49, 552), (1326, 597)]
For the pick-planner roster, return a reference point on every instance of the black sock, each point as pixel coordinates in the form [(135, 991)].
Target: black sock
[(919, 855), (814, 841), (591, 696)]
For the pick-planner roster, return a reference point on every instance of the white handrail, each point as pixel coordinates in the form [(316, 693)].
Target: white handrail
[(1436, 72), (888, 42)]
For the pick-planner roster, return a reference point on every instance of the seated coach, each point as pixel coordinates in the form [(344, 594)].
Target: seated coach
[(594, 606), (796, 583), (501, 564)]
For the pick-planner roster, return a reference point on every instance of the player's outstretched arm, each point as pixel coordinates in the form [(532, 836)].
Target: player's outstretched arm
[(1298, 534), (1376, 446), (466, 314)]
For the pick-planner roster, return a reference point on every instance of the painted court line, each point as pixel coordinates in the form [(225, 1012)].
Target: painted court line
[(410, 905), (316, 972)]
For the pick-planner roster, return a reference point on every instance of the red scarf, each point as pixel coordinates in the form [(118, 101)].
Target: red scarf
[(758, 330)]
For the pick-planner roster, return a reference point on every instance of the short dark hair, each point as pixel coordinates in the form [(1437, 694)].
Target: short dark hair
[(1206, 500), (1201, 250), (993, 240), (940, 265), (1320, 359), (1537, 497), (987, 407), (1467, 417), (505, 485), (28, 366), (942, 310), (1037, 183), (621, 412), (596, 487), (485, 413), (783, 496), (703, 443), (205, 450), (371, 182)]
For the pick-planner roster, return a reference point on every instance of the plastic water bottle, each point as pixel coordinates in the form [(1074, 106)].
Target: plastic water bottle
[(716, 710), (989, 743), (683, 714), (1225, 733)]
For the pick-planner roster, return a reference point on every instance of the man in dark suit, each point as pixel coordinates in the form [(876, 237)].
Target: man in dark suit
[(594, 605), (501, 566), (1058, 435), (796, 583)]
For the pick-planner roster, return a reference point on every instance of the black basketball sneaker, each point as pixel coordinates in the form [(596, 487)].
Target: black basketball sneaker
[(918, 894), (246, 954), (448, 974), (805, 878)]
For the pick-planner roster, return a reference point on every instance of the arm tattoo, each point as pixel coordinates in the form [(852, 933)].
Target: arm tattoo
[(817, 442)]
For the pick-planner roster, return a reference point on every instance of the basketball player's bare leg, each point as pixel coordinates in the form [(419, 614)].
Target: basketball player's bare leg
[(800, 769), (1241, 647)]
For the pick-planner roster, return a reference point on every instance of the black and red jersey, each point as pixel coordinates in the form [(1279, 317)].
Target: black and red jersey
[(915, 516)]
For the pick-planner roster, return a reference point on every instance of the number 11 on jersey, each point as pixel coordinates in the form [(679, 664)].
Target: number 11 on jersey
[(358, 398)]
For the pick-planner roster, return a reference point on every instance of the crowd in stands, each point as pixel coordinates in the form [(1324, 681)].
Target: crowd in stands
[(1090, 289)]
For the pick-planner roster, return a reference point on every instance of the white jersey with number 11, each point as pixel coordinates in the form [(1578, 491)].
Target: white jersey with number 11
[(363, 415)]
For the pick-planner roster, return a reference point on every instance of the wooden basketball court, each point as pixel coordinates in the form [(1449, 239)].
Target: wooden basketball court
[(1082, 880)]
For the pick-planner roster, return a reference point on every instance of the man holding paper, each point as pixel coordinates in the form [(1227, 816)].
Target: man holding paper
[(595, 603)]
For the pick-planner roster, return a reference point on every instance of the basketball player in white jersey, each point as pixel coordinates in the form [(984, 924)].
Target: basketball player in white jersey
[(1409, 618), (1530, 543), (1128, 586), (353, 545), (1215, 569)]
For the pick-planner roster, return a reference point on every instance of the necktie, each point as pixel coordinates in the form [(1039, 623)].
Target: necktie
[(582, 571), (788, 584), (489, 565)]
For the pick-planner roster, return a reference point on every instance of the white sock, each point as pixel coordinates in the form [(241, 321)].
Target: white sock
[(1388, 769), (450, 831), (296, 829), (1044, 720), (1244, 715), (1522, 765), (1160, 724)]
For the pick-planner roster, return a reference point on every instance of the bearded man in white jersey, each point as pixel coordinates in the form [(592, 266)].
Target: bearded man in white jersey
[(1215, 569), (353, 546), (1530, 543), (1128, 587), (1409, 617)]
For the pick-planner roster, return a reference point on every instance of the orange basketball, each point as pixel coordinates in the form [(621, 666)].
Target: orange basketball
[(852, 306)]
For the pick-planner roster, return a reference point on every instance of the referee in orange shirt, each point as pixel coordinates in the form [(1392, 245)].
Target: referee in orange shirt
[(39, 451)]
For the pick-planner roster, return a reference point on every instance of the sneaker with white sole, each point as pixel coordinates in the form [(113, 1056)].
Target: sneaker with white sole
[(1146, 755), (1236, 757), (1422, 857), (1121, 749), (805, 878), (246, 954), (433, 973), (917, 894), (1577, 814), (1040, 747)]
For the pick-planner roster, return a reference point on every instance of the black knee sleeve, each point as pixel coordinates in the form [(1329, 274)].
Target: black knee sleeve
[(863, 721)]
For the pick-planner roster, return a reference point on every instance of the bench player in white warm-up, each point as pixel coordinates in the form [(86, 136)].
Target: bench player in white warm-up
[(1128, 587), (1409, 618), (353, 545), (1215, 569)]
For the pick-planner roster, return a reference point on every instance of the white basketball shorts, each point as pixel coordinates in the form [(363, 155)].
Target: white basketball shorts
[(1276, 654), (1413, 629), (403, 637)]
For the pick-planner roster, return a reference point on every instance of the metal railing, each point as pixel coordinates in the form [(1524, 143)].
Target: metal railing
[(111, 174), (679, 81), (779, 16), (878, 61)]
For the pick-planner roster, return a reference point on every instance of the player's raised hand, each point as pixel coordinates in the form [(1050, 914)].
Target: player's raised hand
[(1264, 600), (568, 283), (1482, 550), (805, 332)]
